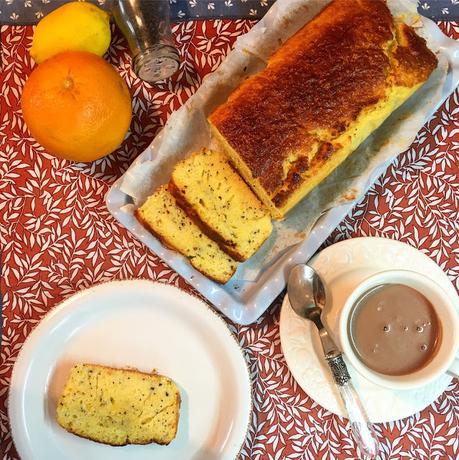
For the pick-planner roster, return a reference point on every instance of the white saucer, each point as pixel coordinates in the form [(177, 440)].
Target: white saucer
[(144, 325), (342, 266)]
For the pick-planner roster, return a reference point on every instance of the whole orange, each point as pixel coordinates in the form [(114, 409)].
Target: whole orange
[(77, 106)]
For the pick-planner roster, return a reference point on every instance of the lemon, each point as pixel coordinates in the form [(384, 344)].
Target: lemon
[(75, 26)]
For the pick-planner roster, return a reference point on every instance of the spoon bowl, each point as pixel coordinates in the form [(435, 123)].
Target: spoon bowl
[(306, 292)]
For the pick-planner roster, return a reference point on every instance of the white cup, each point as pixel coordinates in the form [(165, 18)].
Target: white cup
[(444, 359)]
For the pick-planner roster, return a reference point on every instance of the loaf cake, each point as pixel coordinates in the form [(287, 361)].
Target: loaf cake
[(165, 219), (119, 406), (221, 203), (322, 93)]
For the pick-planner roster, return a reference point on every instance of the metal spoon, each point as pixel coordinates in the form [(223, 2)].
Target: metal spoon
[(306, 294)]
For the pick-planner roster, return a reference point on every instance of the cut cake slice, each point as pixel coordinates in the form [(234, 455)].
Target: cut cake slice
[(119, 406), (221, 203), (166, 220)]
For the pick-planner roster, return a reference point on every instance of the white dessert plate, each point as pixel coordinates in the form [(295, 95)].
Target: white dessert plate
[(147, 326), (343, 266)]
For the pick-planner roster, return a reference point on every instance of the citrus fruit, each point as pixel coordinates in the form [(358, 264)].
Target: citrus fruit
[(77, 106), (75, 26)]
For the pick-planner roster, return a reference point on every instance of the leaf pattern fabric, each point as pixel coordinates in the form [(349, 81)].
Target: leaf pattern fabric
[(57, 237)]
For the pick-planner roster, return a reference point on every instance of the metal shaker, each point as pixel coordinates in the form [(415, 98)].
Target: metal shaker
[(146, 26)]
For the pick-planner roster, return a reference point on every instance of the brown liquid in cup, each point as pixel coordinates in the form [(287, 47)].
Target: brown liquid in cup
[(394, 330)]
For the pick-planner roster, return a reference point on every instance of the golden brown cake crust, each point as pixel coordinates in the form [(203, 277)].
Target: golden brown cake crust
[(320, 79), (417, 64)]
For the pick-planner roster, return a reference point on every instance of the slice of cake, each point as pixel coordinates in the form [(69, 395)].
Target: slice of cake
[(221, 203), (119, 406), (165, 219)]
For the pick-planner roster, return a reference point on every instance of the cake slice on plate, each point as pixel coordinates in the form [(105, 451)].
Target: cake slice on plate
[(119, 406)]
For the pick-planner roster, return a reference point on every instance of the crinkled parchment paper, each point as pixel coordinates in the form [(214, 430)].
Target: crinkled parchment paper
[(187, 130)]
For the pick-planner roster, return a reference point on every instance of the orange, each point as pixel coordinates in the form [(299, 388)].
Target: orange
[(77, 106)]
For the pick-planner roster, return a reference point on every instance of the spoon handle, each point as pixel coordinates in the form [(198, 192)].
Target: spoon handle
[(362, 429)]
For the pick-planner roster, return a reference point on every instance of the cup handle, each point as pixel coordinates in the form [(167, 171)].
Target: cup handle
[(454, 368)]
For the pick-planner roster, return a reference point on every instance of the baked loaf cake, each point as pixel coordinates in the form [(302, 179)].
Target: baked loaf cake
[(165, 219), (119, 406), (322, 93), (221, 203)]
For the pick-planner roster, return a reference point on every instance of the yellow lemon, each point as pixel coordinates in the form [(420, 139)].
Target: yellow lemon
[(75, 26)]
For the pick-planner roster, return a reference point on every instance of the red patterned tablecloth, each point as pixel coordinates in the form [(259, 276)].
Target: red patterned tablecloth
[(57, 237)]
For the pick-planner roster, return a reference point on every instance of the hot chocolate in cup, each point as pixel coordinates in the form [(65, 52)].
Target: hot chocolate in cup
[(399, 329)]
